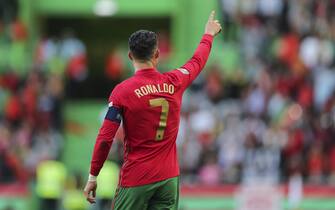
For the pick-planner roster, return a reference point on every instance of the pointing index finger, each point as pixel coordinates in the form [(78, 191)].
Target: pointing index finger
[(211, 16)]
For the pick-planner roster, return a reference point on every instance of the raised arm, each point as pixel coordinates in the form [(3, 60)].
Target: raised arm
[(191, 69), (194, 66)]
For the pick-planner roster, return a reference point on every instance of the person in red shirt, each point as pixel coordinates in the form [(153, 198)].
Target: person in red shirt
[(149, 106)]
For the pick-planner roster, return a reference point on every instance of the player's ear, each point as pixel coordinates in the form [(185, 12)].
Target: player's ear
[(130, 56), (156, 55)]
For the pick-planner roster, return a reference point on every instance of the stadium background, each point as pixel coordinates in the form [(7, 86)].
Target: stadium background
[(261, 114)]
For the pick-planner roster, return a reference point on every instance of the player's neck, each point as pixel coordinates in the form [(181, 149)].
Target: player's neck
[(143, 65)]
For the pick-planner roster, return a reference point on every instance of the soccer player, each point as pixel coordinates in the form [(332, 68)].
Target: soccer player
[(148, 104)]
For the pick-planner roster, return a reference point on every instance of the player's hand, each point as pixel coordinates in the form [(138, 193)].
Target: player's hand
[(213, 27), (90, 190)]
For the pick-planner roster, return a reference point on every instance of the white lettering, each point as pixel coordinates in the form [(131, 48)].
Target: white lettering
[(159, 88), (171, 89), (138, 93), (144, 90), (165, 88)]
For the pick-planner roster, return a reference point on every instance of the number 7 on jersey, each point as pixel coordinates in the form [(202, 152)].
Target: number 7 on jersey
[(164, 115)]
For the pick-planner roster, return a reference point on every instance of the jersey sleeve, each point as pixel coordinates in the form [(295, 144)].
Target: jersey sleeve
[(106, 133), (191, 69)]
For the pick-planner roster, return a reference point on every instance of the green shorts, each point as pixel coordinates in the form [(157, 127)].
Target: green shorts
[(163, 195)]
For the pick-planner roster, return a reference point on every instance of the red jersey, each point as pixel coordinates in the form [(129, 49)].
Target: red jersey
[(149, 105)]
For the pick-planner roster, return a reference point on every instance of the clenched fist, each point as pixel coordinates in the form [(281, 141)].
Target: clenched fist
[(213, 27)]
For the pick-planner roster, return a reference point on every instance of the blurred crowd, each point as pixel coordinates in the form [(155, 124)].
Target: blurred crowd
[(265, 112), (64, 55), (30, 123), (13, 38), (268, 112), (31, 100)]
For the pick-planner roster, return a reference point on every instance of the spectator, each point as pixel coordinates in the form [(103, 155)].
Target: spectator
[(287, 84)]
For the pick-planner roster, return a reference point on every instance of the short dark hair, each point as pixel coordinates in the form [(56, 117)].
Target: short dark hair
[(142, 44)]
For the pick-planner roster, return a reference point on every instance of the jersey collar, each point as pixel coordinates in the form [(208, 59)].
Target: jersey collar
[(146, 71)]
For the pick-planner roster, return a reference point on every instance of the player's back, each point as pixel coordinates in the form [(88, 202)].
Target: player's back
[(149, 106), (150, 103)]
